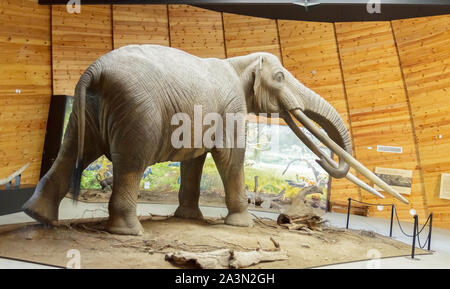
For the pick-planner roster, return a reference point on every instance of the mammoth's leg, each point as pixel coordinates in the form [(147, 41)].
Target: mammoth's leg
[(43, 206), (122, 205), (189, 194), (230, 164)]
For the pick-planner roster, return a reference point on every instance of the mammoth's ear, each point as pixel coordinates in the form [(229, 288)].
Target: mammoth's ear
[(258, 70)]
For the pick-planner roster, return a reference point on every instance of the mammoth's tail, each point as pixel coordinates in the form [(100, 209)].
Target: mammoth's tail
[(80, 96)]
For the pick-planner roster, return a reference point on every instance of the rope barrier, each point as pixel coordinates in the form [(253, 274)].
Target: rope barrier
[(384, 205), (423, 227), (416, 233), (400, 226), (424, 244)]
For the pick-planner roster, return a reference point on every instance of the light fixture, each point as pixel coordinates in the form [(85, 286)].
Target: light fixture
[(307, 3)]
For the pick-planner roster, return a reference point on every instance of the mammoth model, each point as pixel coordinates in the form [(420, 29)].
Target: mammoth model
[(123, 108)]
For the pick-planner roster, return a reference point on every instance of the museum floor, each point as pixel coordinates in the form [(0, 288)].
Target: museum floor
[(440, 239)]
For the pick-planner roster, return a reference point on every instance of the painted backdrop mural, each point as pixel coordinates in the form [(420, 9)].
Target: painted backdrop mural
[(277, 167)]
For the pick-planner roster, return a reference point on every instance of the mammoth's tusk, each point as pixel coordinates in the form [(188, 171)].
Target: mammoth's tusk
[(355, 180), (329, 160), (363, 185), (352, 178), (309, 124), (13, 175), (338, 172)]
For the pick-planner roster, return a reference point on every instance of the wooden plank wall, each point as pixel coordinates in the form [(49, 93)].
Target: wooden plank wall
[(140, 24), (378, 105), (78, 40), (310, 52), (196, 30), (424, 49), (25, 64), (380, 76), (245, 35)]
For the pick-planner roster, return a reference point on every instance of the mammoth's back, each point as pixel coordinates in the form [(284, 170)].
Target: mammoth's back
[(142, 86)]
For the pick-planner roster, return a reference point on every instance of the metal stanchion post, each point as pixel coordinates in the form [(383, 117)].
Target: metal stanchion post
[(416, 221), (348, 211), (429, 232), (392, 220)]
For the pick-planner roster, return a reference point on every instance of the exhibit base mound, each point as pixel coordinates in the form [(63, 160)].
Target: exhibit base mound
[(167, 235)]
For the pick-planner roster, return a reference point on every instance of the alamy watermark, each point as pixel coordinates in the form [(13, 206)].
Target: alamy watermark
[(375, 259), (222, 131), (74, 256), (73, 6), (373, 6)]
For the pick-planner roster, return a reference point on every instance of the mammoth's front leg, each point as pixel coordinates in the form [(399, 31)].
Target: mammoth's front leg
[(122, 205), (189, 194), (230, 163)]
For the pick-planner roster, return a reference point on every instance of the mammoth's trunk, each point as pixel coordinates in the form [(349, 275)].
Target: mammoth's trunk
[(329, 119), (320, 111)]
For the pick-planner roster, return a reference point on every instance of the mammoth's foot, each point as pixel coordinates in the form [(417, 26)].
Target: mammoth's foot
[(43, 210), (241, 219), (189, 213), (124, 226)]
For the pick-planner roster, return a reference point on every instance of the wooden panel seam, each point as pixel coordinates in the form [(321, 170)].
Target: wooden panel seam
[(349, 120), (279, 42), (413, 127), (168, 25), (223, 35), (112, 26)]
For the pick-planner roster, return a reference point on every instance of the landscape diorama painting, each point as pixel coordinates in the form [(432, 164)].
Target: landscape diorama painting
[(277, 167), (400, 180)]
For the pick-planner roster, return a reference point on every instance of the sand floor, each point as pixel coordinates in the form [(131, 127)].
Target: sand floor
[(99, 249)]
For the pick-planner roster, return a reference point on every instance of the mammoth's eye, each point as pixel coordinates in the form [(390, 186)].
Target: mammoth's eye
[(278, 76)]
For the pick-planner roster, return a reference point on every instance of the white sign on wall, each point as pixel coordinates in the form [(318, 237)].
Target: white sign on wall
[(445, 186)]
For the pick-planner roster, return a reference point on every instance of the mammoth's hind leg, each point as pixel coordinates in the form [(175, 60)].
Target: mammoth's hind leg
[(43, 206), (122, 205), (189, 194), (230, 164)]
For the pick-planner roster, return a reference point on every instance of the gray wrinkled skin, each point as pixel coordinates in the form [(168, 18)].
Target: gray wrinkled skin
[(125, 101)]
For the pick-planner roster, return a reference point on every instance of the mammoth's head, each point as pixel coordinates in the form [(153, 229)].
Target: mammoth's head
[(271, 88), (276, 90)]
